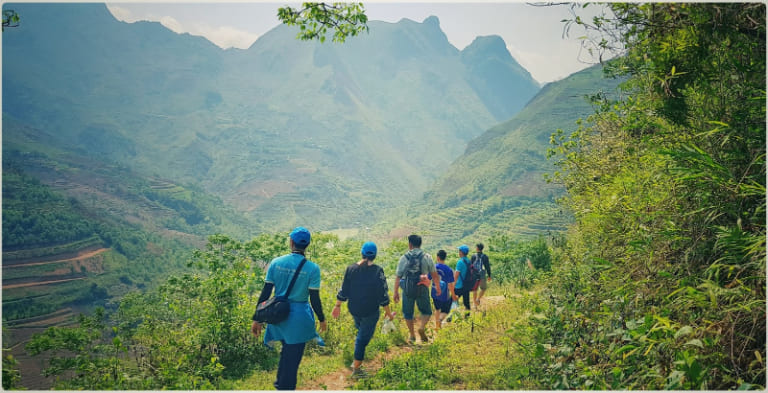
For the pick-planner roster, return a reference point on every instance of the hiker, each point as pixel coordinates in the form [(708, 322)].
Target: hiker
[(412, 266), (485, 273), (443, 301), (462, 275), (365, 287), (299, 328)]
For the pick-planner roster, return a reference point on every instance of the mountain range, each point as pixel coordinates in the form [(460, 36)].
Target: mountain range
[(285, 132)]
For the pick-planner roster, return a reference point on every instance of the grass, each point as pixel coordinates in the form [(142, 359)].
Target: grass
[(478, 353)]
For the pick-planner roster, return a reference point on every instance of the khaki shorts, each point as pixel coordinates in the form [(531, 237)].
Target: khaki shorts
[(483, 280)]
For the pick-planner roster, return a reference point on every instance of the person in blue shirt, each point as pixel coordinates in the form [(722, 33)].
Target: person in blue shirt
[(299, 328), (443, 301), (462, 267), (365, 287)]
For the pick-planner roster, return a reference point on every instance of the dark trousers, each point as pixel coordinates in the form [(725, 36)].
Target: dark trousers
[(365, 326), (464, 293), (288, 368)]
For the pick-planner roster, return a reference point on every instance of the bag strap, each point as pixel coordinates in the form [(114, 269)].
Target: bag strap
[(293, 280)]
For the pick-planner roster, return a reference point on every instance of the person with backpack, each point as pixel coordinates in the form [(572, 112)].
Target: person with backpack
[(465, 275), (480, 261), (365, 288), (412, 266), (443, 301), (303, 277)]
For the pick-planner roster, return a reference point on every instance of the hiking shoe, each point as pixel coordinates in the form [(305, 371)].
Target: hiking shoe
[(411, 340), (358, 373), (423, 335)]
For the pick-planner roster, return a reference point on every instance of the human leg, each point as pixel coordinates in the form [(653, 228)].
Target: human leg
[(425, 309), (366, 326), (482, 287), (288, 368), (408, 308), (463, 293)]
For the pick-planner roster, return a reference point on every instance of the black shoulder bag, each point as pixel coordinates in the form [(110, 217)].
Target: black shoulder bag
[(276, 309)]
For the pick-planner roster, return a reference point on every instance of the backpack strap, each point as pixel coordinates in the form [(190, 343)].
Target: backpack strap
[(295, 275)]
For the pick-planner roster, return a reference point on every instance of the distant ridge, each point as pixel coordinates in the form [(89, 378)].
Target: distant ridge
[(285, 132)]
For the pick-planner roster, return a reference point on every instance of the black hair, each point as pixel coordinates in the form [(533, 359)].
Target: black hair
[(414, 240), (480, 246), (442, 254)]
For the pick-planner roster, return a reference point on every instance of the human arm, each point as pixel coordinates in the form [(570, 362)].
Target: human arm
[(265, 293), (396, 296), (389, 313), (452, 291), (342, 296), (487, 266), (317, 306), (436, 280)]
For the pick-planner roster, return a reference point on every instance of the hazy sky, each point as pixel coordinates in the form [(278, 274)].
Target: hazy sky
[(534, 34)]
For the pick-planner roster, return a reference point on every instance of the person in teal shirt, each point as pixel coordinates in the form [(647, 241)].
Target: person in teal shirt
[(299, 328), (462, 267)]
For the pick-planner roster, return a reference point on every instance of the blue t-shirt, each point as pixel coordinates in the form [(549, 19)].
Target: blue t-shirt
[(281, 270), (300, 325), (446, 277)]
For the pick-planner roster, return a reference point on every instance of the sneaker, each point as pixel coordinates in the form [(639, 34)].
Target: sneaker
[(358, 373), (411, 340), (423, 335)]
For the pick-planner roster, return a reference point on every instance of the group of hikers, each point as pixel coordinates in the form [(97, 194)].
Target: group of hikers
[(365, 289)]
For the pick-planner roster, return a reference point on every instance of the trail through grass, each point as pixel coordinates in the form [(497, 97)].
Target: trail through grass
[(478, 353)]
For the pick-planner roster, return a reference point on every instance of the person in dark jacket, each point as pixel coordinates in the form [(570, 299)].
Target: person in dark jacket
[(365, 289), (485, 273)]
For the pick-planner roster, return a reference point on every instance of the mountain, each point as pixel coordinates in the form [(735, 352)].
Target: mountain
[(286, 132), (497, 186), (504, 86)]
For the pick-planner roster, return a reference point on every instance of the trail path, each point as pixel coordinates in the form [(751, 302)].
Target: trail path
[(340, 379), (79, 257), (36, 283)]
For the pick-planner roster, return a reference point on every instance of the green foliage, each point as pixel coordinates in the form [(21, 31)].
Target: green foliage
[(10, 19), (661, 282), (11, 374), (518, 262), (33, 215), (89, 352), (196, 325), (314, 20)]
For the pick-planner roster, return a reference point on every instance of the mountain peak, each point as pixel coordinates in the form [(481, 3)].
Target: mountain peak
[(491, 44), (432, 21)]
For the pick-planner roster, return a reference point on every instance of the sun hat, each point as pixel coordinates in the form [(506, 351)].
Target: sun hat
[(300, 236)]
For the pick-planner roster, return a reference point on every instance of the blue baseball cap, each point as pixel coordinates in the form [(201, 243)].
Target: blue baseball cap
[(300, 236), (464, 248), (369, 250)]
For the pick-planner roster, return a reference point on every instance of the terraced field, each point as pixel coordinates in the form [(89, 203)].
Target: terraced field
[(36, 280)]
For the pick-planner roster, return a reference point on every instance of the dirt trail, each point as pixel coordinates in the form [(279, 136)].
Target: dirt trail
[(36, 283), (340, 379), (80, 256)]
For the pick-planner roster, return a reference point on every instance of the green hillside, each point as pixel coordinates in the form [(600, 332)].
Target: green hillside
[(285, 132), (498, 185)]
